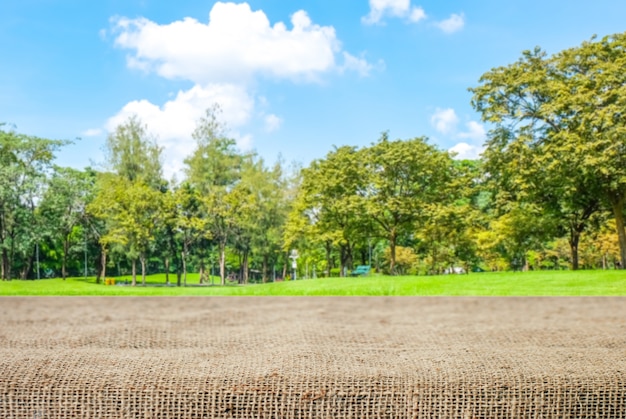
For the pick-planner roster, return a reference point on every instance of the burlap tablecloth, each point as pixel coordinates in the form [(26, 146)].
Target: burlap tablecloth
[(312, 357)]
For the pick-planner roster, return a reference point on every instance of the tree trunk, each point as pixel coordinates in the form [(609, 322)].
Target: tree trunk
[(265, 274), (2, 239), (349, 259), (245, 273), (11, 259), (66, 247), (328, 259), (167, 271), (618, 213), (434, 257), (346, 258), (103, 256), (134, 272), (223, 262), (174, 254), (6, 268), (27, 267), (184, 260), (393, 237), (143, 269), (202, 272), (178, 270), (342, 258), (573, 244)]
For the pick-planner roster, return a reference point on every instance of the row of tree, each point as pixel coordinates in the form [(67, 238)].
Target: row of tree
[(549, 192), (128, 214), (227, 200)]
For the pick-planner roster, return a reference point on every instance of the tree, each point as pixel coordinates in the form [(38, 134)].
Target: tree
[(520, 230), (559, 133), (24, 161), (215, 162), (64, 205), (404, 179), (327, 208), (133, 154), (448, 236), (214, 168), (190, 221), (271, 205), (260, 214), (132, 210), (128, 198)]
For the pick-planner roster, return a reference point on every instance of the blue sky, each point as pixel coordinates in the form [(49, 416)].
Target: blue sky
[(292, 77)]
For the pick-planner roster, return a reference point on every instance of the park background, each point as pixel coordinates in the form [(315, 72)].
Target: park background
[(537, 186)]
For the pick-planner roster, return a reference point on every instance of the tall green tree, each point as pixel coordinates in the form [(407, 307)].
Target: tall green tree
[(270, 207), (167, 245), (559, 132), (132, 153), (405, 178), (191, 221), (259, 215), (328, 209), (24, 163), (128, 197), (64, 205), (214, 169), (132, 210)]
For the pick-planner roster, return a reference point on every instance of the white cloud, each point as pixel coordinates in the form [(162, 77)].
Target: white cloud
[(244, 142), (173, 122), (464, 151), (417, 14), (475, 132), (223, 58), (445, 120), (91, 132), (393, 8), (235, 45), (272, 123), (358, 65), (453, 24)]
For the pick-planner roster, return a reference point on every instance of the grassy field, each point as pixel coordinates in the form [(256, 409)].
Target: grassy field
[(546, 283)]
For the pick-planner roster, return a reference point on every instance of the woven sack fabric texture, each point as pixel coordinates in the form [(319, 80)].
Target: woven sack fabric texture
[(312, 357)]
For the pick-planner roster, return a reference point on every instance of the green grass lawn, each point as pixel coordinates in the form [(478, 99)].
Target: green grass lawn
[(545, 283)]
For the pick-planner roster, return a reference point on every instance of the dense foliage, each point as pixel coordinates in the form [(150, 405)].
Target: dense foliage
[(548, 193)]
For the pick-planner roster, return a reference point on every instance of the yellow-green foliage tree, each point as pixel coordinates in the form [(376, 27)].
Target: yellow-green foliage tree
[(214, 170), (328, 209), (131, 210), (128, 197), (404, 178), (559, 136)]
